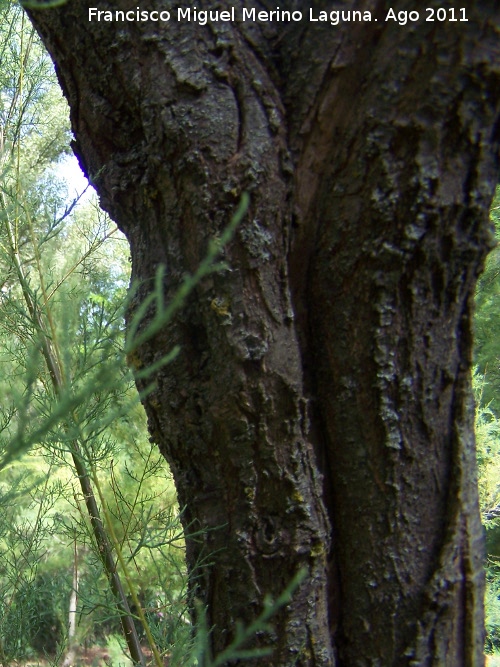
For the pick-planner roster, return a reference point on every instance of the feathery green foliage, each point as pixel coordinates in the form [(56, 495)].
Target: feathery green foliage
[(487, 320), (487, 390)]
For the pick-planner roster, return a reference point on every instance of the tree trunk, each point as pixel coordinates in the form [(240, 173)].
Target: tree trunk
[(319, 414), (70, 656)]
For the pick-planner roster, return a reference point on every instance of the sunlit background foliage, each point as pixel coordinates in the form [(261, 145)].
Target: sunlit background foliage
[(74, 265), (487, 391)]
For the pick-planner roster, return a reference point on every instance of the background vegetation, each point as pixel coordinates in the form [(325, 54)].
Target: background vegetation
[(69, 403), (487, 390)]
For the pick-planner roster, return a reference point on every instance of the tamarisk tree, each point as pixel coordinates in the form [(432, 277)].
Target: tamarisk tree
[(319, 414)]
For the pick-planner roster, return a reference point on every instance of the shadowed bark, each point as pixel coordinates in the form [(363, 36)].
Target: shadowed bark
[(319, 414)]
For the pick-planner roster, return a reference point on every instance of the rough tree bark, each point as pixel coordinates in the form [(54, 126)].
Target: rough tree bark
[(320, 412)]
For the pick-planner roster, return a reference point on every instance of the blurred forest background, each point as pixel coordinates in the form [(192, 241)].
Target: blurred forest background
[(70, 411), (64, 273), (487, 393)]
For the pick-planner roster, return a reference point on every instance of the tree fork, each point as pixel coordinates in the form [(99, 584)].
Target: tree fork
[(323, 384)]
